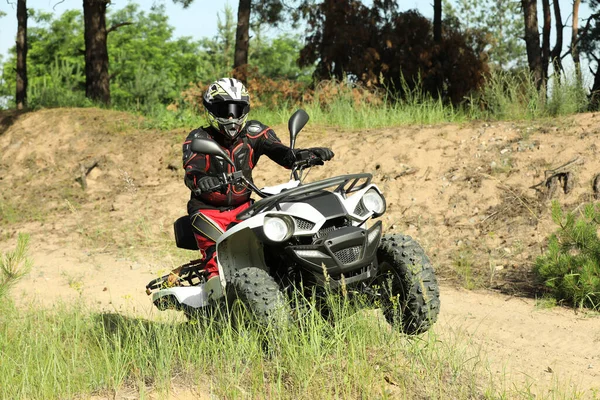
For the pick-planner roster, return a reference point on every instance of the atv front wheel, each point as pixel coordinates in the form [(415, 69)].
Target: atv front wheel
[(260, 295), (408, 291)]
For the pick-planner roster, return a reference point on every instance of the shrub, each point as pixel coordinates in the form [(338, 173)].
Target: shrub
[(270, 93), (14, 265), (570, 268)]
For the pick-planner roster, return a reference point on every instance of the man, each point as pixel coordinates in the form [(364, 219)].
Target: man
[(213, 207)]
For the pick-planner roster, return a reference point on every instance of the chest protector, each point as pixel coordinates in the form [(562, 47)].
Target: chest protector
[(242, 154)]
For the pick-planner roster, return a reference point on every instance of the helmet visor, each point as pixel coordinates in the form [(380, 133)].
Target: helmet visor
[(229, 109)]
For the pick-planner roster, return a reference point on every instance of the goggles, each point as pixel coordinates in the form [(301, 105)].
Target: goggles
[(229, 109)]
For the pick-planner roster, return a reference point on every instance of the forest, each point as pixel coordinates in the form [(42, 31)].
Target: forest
[(474, 56)]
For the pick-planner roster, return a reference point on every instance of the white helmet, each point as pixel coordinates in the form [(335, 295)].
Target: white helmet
[(227, 104)]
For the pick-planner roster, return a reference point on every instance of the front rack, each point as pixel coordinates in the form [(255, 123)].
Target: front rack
[(343, 184)]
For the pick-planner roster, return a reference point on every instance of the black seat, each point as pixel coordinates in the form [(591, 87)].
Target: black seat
[(184, 234)]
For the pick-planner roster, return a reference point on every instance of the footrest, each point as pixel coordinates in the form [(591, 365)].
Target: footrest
[(190, 274)]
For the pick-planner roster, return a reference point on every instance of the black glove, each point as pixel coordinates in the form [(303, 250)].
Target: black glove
[(208, 184), (316, 154), (324, 153)]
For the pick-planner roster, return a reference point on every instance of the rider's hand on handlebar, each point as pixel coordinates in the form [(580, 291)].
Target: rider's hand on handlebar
[(315, 155), (208, 184), (324, 153)]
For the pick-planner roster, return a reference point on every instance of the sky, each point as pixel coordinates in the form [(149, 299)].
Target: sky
[(200, 18)]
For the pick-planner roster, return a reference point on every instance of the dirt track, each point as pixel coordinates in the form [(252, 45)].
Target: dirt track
[(462, 191)]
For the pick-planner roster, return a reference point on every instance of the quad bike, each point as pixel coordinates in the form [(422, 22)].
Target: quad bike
[(312, 235)]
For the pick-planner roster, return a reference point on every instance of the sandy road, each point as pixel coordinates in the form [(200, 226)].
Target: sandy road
[(524, 342)]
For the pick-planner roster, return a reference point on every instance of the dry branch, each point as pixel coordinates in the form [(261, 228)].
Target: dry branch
[(84, 172)]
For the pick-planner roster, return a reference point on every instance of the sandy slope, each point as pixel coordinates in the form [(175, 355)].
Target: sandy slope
[(462, 191)]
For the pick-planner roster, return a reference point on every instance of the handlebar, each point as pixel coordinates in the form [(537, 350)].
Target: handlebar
[(235, 178), (238, 177)]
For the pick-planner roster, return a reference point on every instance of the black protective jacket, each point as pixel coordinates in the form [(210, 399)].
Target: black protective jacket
[(255, 140)]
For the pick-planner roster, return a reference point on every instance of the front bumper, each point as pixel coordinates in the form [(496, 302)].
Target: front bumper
[(343, 251)]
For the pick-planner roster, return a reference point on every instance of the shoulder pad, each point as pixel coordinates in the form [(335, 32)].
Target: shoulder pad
[(199, 133), (254, 127)]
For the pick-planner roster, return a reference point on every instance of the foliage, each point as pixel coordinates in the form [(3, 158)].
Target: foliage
[(148, 64), (278, 58), (69, 352), (570, 268), (513, 95), (499, 21), (217, 57), (589, 38), (590, 33), (378, 46), (14, 265), (149, 67), (272, 58), (507, 95), (49, 41)]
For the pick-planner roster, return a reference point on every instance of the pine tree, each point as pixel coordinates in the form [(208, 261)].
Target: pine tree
[(502, 23), (570, 268)]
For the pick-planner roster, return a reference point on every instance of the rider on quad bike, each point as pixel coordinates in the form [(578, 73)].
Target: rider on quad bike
[(213, 207)]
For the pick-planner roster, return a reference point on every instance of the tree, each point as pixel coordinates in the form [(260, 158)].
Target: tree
[(500, 21), (255, 13), (378, 46), (242, 36), (575, 39), (21, 87), (147, 65), (219, 50), (278, 58), (555, 55), (532, 41), (546, 30), (97, 84), (437, 21), (588, 42)]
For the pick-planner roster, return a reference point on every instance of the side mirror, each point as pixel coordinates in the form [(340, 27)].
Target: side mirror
[(209, 146), (295, 125)]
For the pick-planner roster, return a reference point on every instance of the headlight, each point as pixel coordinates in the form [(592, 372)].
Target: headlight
[(278, 229), (373, 202)]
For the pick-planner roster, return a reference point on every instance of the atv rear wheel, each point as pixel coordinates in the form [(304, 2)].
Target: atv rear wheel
[(408, 291), (260, 295)]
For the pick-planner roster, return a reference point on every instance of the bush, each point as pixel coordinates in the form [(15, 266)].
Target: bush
[(570, 268), (14, 265), (266, 92)]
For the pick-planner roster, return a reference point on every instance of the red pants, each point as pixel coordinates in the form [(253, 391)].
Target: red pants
[(210, 224)]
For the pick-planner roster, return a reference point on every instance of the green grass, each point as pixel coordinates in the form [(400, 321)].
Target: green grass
[(71, 352), (463, 264), (504, 97)]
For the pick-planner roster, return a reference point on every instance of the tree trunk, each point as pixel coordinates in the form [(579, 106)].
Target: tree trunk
[(324, 68), (21, 95), (437, 21), (97, 85), (574, 34), (546, 38), (594, 97), (532, 40), (555, 54), (242, 39)]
